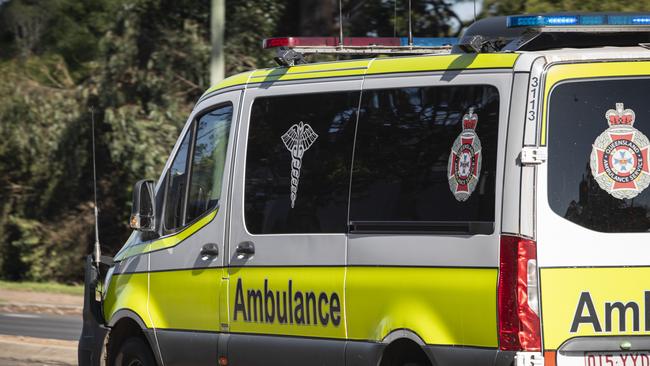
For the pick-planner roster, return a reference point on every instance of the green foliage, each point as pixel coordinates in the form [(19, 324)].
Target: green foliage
[(248, 22)]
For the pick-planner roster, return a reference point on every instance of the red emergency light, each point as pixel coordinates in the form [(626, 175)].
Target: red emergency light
[(291, 42)]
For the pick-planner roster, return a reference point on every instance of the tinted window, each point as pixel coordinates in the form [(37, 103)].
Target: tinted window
[(298, 163), (176, 184), (208, 161), (402, 155), (608, 192)]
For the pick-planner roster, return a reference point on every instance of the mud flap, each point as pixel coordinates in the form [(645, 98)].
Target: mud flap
[(93, 332)]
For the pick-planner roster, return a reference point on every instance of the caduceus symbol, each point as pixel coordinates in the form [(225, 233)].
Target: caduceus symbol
[(297, 140)]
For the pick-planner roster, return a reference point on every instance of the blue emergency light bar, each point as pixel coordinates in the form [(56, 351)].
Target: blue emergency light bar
[(579, 20), (429, 41)]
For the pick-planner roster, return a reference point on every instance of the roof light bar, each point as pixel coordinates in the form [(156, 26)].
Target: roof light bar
[(578, 20), (356, 42), (362, 45)]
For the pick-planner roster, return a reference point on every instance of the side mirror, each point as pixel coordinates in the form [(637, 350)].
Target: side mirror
[(143, 213)]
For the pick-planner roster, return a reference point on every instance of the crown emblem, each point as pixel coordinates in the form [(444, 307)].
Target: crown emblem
[(470, 120), (620, 116)]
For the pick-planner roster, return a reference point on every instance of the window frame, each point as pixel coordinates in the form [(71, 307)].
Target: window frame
[(195, 127), (292, 93), (550, 124), (407, 227), (192, 129)]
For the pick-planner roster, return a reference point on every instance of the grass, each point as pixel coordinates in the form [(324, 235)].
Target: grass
[(51, 287)]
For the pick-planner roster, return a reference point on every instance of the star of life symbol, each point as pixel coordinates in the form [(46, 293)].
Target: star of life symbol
[(619, 157), (464, 166), (298, 139)]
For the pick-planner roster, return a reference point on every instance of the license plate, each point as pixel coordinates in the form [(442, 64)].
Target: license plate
[(605, 359), (617, 359)]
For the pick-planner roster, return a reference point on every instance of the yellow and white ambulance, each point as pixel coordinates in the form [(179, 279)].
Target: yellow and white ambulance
[(481, 204)]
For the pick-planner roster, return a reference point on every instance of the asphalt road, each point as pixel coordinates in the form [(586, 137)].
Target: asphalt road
[(63, 327)]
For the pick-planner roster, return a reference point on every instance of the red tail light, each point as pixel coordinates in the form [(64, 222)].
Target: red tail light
[(517, 295)]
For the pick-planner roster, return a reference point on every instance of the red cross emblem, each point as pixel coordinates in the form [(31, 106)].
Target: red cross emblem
[(465, 159), (619, 158)]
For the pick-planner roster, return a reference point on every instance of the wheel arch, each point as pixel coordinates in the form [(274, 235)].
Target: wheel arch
[(402, 344), (126, 323)]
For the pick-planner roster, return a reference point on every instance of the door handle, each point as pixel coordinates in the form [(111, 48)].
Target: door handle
[(210, 250), (246, 248)]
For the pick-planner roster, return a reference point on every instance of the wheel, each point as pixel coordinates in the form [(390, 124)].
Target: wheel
[(134, 352)]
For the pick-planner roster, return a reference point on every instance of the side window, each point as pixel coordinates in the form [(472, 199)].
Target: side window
[(298, 163), (425, 159), (176, 186), (208, 161)]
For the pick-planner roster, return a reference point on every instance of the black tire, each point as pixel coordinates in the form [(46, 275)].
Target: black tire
[(134, 352)]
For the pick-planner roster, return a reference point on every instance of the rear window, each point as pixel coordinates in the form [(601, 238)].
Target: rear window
[(425, 160), (598, 171), (298, 163)]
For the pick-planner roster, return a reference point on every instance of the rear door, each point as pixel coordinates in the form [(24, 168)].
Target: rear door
[(594, 214)]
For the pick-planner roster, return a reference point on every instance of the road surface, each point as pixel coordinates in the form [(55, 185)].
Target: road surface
[(63, 327)]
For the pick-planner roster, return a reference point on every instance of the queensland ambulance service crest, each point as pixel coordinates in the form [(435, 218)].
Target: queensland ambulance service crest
[(619, 157), (464, 167)]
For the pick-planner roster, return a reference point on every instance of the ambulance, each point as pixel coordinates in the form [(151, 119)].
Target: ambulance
[(480, 201)]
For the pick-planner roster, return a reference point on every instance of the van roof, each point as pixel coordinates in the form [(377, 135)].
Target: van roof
[(373, 66), (406, 64)]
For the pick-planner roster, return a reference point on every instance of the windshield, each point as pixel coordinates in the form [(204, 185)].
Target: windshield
[(598, 172)]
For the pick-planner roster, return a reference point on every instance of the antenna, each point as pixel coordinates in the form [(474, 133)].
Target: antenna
[(340, 24), (474, 11), (410, 28), (395, 18), (97, 250)]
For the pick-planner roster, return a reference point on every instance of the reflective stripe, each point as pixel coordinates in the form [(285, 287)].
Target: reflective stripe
[(167, 241), (563, 72)]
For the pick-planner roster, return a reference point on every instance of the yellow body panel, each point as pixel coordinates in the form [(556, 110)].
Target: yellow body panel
[(559, 73), (451, 306), (317, 280), (444, 306), (187, 299), (128, 291), (562, 289)]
